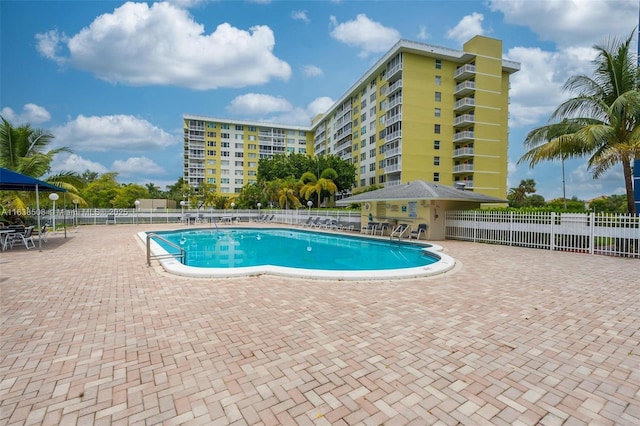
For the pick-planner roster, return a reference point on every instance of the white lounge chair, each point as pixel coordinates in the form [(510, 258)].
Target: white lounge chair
[(416, 233)]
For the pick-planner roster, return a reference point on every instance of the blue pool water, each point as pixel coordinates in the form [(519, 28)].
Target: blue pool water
[(292, 248)]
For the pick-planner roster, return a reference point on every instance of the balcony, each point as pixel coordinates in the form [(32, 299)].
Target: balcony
[(465, 72), (392, 152), (464, 104), (394, 72), (463, 152), (463, 168), (395, 101), (393, 136), (393, 119), (392, 168), (464, 120), (466, 136), (394, 87), (465, 88)]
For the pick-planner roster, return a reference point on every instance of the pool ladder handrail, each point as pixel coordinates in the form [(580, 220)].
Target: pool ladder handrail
[(181, 256)]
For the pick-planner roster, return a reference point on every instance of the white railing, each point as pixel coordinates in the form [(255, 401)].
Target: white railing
[(609, 234), (202, 217)]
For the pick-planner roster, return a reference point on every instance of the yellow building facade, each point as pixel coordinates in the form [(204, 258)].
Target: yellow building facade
[(420, 112)]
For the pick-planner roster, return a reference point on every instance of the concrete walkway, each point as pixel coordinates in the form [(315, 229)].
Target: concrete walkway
[(91, 335)]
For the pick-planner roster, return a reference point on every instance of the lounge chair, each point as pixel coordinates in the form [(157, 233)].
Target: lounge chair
[(416, 233), (382, 227), (400, 231), (25, 238), (111, 218), (308, 222), (43, 234), (346, 226)]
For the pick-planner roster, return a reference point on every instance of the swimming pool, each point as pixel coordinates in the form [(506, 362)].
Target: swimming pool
[(294, 252)]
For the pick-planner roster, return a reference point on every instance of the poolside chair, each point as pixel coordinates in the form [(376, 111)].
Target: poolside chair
[(43, 234), (400, 231), (111, 218), (25, 238), (416, 233), (308, 222), (382, 227)]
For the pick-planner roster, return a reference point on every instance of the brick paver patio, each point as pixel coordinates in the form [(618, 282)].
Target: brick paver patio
[(92, 335)]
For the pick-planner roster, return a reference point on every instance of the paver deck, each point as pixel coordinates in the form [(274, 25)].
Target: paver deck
[(92, 335)]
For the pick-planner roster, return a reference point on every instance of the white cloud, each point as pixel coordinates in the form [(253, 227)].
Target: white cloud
[(300, 15), (112, 132), (423, 34), (135, 166), (163, 45), (31, 113), (311, 71), (536, 90), (365, 34), (320, 105), (75, 163), (253, 104), (570, 22), (468, 27)]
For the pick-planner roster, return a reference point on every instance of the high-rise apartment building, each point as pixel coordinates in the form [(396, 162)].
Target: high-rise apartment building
[(225, 152), (421, 112)]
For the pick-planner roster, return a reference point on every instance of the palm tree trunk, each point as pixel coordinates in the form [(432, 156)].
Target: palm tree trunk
[(628, 184)]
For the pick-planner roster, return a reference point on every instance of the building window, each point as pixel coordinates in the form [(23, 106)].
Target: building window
[(211, 125), (438, 64), (252, 129), (436, 177), (372, 153), (211, 144), (438, 80), (436, 144), (372, 167), (437, 112), (436, 161), (436, 128), (224, 126), (438, 96), (239, 127), (224, 135)]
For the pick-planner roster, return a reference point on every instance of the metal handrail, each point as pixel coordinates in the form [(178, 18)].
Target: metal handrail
[(181, 256)]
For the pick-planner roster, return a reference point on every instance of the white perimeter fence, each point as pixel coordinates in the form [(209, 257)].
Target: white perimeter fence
[(595, 233), (71, 217)]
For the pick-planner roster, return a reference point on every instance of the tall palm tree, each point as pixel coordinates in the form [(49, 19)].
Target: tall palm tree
[(601, 121), (325, 183), (23, 150), (288, 193)]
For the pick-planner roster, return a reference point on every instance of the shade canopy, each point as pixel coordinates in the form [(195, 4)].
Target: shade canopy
[(12, 181)]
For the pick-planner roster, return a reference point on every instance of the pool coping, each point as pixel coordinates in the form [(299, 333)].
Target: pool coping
[(173, 266)]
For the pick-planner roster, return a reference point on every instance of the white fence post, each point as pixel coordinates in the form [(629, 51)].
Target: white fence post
[(552, 234)]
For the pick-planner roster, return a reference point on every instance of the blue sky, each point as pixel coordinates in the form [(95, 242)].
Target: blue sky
[(111, 80)]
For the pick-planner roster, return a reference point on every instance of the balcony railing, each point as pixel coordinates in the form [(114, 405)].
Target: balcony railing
[(395, 86), (464, 88), (464, 72), (464, 120), (393, 119), (463, 136), (392, 168), (392, 152), (395, 101), (461, 168), (464, 103), (463, 152), (393, 136)]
